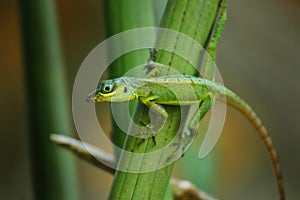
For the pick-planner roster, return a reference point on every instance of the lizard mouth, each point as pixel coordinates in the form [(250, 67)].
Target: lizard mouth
[(91, 98)]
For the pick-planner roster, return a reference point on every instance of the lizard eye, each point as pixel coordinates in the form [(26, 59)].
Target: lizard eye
[(107, 88)]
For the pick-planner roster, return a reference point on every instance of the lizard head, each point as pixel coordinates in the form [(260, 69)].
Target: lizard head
[(113, 90)]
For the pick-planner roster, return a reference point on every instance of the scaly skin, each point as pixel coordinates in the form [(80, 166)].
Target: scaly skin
[(181, 90)]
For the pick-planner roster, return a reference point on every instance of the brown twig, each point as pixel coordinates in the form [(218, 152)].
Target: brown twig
[(87, 152), (182, 189)]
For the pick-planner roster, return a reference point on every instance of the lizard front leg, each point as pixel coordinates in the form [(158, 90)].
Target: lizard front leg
[(155, 125), (148, 101)]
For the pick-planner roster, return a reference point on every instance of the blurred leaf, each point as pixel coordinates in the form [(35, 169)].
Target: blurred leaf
[(53, 169)]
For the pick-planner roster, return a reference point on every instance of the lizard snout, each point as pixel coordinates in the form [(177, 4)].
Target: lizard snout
[(90, 98)]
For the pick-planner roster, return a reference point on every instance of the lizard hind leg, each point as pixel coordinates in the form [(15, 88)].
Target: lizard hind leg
[(192, 128), (184, 139)]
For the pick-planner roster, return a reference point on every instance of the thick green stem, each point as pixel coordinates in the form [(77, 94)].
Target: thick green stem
[(122, 15), (194, 18), (53, 169)]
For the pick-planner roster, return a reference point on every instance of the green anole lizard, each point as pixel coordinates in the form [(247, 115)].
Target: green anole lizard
[(153, 92)]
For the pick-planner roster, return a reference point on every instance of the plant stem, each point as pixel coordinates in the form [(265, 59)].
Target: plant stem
[(194, 18), (122, 15), (118, 19), (53, 169)]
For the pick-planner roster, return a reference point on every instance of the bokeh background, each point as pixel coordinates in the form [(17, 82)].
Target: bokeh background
[(258, 57)]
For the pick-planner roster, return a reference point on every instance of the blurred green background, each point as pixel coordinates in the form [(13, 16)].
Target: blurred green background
[(258, 59)]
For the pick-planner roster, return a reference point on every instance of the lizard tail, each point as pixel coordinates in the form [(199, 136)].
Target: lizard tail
[(238, 103)]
